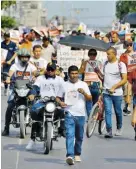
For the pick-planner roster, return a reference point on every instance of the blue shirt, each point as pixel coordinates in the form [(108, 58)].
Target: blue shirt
[(11, 47)]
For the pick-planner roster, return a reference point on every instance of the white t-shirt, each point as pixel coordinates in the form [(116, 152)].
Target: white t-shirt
[(47, 53), (79, 107), (39, 63), (18, 70), (49, 87), (112, 76)]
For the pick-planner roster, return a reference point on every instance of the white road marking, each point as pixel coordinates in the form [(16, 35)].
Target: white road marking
[(18, 153)]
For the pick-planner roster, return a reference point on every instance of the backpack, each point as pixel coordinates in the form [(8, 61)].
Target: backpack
[(119, 66)]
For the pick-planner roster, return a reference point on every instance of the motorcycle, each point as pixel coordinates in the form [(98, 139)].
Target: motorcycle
[(21, 114), (49, 125)]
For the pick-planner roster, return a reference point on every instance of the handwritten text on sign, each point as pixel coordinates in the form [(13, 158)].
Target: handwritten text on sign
[(68, 58)]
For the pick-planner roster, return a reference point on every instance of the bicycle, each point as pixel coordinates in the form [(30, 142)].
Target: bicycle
[(96, 116)]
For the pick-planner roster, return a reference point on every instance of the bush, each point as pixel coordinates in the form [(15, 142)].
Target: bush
[(7, 22)]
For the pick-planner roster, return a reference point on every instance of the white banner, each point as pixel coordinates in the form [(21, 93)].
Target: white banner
[(67, 57)]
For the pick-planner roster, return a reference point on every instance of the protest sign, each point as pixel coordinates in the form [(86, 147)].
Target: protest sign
[(115, 26), (15, 35), (67, 57), (4, 53), (71, 97)]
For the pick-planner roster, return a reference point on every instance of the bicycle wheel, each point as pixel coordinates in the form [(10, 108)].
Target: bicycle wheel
[(101, 126), (92, 121)]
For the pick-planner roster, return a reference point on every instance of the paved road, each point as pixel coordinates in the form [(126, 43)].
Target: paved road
[(98, 153)]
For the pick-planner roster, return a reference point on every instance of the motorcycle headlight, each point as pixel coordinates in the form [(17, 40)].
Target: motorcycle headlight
[(22, 92), (50, 107)]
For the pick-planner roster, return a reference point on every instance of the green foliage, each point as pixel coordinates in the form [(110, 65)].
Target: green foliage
[(6, 4), (125, 7), (7, 22)]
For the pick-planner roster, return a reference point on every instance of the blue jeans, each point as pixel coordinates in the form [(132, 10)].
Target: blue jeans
[(134, 100), (74, 126), (116, 101)]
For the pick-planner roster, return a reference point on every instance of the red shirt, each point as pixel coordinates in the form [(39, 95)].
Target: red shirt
[(129, 60), (132, 80)]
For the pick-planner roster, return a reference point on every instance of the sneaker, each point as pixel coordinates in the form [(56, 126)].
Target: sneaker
[(77, 159), (125, 108), (108, 135), (118, 132), (70, 161), (128, 113), (5, 132), (31, 145)]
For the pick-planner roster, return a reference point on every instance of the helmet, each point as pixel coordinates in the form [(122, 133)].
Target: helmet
[(23, 53)]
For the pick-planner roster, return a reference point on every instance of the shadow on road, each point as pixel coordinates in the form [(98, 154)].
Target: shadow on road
[(121, 160), (122, 138), (45, 160), (15, 147)]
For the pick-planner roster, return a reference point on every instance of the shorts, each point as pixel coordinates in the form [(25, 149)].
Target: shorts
[(134, 100), (125, 90)]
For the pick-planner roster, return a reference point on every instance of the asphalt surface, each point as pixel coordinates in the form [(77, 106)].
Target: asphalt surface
[(97, 152)]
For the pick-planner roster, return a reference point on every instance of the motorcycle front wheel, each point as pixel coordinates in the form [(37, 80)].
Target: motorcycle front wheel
[(48, 138), (22, 124)]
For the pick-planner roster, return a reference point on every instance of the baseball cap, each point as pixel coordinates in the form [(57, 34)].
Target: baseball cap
[(51, 66), (7, 34), (96, 33), (74, 32)]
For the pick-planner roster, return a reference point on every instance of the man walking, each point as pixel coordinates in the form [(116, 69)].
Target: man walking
[(11, 49), (75, 93), (115, 76)]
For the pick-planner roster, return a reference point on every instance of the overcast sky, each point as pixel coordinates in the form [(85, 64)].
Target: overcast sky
[(93, 13)]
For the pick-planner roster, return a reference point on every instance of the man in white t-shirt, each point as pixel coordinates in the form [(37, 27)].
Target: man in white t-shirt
[(75, 94), (115, 76), (39, 62), (47, 85), (18, 70), (47, 50)]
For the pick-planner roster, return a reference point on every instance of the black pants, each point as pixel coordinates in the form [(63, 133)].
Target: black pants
[(8, 114), (38, 116)]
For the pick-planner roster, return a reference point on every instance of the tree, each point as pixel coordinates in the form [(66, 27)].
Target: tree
[(7, 22), (6, 4), (124, 7)]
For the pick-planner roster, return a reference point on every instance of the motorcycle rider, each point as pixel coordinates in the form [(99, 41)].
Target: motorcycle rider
[(39, 62), (47, 85), (17, 70)]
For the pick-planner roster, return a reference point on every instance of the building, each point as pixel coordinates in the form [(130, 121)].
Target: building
[(27, 13)]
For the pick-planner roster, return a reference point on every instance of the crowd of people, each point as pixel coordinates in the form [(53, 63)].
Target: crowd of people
[(37, 55)]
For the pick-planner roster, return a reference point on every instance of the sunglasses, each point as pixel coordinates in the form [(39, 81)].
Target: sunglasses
[(92, 54), (130, 44), (50, 69)]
